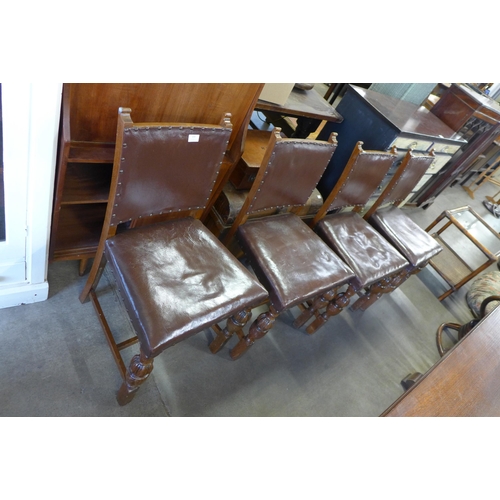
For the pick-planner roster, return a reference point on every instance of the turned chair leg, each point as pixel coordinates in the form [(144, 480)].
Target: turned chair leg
[(335, 306), (258, 329), (138, 371), (373, 294), (385, 285), (318, 303), (234, 325)]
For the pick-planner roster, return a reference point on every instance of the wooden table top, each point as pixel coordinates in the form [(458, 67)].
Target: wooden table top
[(408, 118), (303, 103), (464, 383)]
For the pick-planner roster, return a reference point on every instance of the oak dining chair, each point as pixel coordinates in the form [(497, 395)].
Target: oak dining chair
[(174, 277), (377, 265), (289, 259), (385, 215)]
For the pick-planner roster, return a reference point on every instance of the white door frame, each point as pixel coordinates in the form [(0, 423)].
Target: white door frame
[(30, 114)]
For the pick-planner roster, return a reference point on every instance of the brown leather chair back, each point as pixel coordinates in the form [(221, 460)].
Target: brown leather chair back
[(163, 184), (290, 171), (361, 177), (288, 174), (412, 169), (405, 178)]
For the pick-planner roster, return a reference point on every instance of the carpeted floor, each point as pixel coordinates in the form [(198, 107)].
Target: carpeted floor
[(55, 361)]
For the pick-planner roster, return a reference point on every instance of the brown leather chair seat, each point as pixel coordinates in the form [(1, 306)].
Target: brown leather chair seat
[(177, 279), (368, 254), (410, 239), (290, 260)]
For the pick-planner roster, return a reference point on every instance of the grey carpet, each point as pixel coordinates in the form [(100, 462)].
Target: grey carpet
[(54, 360)]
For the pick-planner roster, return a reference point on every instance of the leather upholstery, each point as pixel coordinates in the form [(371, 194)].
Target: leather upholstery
[(149, 150), (365, 176), (410, 239), (292, 262), (292, 173), (176, 279), (368, 254), (413, 172)]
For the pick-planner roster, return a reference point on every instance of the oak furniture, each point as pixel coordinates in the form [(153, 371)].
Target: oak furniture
[(394, 225), (174, 277), (474, 116), (87, 145), (378, 267), (487, 174), (292, 262), (248, 165), (465, 382), (383, 122), (229, 203), (308, 106), (462, 233), (305, 105)]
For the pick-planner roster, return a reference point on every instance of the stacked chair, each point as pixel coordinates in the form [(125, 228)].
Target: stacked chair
[(174, 277)]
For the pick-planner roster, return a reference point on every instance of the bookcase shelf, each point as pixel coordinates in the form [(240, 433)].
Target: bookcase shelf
[(86, 147)]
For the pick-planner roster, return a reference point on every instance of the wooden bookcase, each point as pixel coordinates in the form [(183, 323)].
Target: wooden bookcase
[(87, 143)]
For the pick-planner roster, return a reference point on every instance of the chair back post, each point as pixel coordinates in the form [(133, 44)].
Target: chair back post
[(243, 213), (234, 154), (356, 174), (406, 177), (124, 121)]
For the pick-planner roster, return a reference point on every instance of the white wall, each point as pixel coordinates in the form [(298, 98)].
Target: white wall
[(30, 114)]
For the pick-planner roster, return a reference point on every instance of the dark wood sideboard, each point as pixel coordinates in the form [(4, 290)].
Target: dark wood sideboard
[(381, 121), (477, 118)]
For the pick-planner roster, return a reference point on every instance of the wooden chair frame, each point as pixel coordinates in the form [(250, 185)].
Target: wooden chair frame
[(323, 312), (141, 364), (389, 284), (265, 321), (381, 200), (487, 175)]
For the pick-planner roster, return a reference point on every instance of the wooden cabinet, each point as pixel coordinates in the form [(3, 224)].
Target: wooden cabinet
[(380, 122), (477, 118), (87, 145)]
